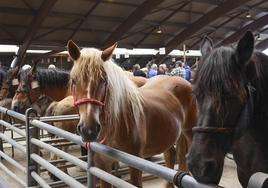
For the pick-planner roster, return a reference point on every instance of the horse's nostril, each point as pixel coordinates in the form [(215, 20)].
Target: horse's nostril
[(15, 108)]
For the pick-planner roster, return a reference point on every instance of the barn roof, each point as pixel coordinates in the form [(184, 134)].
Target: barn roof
[(49, 24)]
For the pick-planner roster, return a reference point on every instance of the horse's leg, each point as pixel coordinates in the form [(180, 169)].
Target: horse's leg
[(185, 140), (83, 151), (181, 151), (105, 164), (135, 177), (170, 160)]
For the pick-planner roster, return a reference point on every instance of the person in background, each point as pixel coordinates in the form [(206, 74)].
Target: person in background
[(179, 70), (162, 69), (26, 66), (137, 71), (187, 73), (2, 74), (152, 71), (51, 66)]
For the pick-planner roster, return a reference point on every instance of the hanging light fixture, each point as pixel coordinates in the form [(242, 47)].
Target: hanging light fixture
[(258, 37), (248, 15), (159, 30)]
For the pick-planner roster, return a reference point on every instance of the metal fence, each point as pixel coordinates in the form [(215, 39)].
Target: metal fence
[(32, 170)]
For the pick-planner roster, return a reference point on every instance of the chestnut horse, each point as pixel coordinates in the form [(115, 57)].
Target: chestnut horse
[(231, 90), (7, 91), (36, 82), (141, 121)]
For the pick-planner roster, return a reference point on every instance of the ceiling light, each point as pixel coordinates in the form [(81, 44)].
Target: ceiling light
[(258, 37), (159, 30), (248, 15)]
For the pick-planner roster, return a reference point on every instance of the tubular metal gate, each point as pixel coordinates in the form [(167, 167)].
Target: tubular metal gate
[(35, 161)]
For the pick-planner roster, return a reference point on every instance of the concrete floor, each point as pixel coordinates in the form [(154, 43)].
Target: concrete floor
[(229, 178)]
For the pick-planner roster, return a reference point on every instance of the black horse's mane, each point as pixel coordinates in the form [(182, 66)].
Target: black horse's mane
[(219, 74), (48, 77)]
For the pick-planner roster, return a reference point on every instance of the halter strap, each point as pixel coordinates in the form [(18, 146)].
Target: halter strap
[(213, 130), (88, 100)]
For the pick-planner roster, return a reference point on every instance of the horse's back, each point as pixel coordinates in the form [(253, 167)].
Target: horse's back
[(63, 107), (137, 80)]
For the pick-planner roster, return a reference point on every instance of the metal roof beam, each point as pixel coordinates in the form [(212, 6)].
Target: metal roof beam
[(44, 9), (80, 23), (162, 22), (144, 9), (211, 16), (262, 45), (253, 26)]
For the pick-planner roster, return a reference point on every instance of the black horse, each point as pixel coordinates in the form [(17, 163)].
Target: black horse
[(231, 87)]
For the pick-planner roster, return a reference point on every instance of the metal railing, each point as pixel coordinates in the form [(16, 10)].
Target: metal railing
[(34, 160)]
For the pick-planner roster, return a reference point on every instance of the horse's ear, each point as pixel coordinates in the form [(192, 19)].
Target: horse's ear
[(108, 52), (206, 45), (73, 50), (16, 70), (245, 47), (34, 67)]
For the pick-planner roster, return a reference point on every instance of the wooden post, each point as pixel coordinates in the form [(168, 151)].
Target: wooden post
[(184, 53)]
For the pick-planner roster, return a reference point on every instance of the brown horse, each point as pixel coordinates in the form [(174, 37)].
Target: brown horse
[(36, 82), (141, 121), (7, 91), (66, 107), (10, 83)]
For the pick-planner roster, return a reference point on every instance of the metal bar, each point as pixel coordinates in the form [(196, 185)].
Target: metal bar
[(59, 118), (55, 140), (63, 144), (82, 164), (12, 148), (13, 143), (40, 180), (257, 180), (117, 182), (61, 175), (91, 180), (13, 162), (83, 158), (147, 166), (134, 161), (3, 183), (57, 183), (31, 132), (11, 127), (60, 153), (12, 175), (12, 114), (59, 132)]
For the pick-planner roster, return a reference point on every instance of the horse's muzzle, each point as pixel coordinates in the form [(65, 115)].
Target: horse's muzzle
[(88, 134)]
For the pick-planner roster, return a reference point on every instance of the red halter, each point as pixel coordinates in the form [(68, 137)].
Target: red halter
[(78, 102)]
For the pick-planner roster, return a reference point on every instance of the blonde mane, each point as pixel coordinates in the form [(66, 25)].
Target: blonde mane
[(124, 103)]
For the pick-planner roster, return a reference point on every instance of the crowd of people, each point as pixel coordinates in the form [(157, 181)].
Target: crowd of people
[(180, 69)]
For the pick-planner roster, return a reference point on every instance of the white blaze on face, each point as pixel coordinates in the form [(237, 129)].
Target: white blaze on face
[(88, 96), (13, 103), (89, 106)]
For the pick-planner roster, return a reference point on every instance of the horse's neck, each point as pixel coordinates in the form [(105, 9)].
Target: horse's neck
[(56, 93), (124, 130)]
